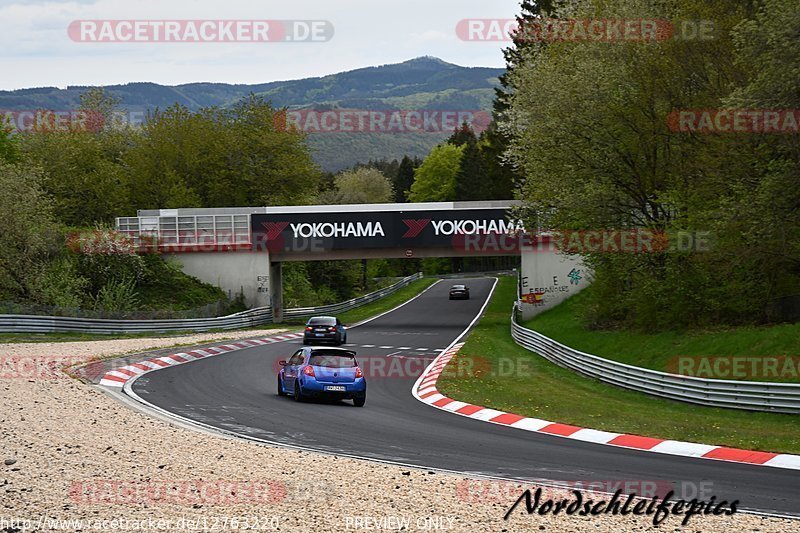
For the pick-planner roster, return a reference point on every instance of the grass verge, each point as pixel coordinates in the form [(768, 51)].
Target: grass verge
[(384, 304), (660, 351), (537, 388)]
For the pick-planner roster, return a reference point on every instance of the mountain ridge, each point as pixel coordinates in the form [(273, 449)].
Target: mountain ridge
[(422, 83)]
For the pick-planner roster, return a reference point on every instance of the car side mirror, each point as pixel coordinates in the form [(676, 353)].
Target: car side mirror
[(282, 362)]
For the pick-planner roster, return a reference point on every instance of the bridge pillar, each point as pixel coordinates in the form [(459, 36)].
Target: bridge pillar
[(547, 278), (242, 272), (276, 290)]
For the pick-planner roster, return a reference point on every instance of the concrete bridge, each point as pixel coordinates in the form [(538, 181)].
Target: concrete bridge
[(241, 249)]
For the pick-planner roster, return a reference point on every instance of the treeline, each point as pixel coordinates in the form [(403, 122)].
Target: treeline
[(211, 158), (63, 187), (591, 125), (465, 168), (63, 181)]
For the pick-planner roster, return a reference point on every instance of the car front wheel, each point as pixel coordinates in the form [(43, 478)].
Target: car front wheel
[(280, 387)]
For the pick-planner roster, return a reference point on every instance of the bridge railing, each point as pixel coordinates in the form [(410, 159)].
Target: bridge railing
[(750, 395), (243, 319)]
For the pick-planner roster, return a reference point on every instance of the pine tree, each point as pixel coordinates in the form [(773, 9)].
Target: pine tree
[(471, 178), (462, 135), (531, 10), (404, 178), (501, 177)]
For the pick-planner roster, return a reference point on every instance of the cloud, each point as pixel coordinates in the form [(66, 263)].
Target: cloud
[(36, 48)]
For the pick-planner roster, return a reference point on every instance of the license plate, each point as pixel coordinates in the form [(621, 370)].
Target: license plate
[(336, 388), (319, 334)]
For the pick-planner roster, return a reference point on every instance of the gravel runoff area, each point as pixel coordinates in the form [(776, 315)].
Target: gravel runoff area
[(71, 452)]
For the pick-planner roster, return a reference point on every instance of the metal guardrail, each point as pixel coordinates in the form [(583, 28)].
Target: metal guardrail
[(750, 395), (243, 319)]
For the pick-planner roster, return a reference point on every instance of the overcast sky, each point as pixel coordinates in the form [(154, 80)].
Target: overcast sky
[(36, 49)]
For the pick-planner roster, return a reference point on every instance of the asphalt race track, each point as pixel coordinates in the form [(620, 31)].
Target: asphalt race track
[(237, 392)]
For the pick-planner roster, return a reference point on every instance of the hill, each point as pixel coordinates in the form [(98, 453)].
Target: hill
[(424, 83)]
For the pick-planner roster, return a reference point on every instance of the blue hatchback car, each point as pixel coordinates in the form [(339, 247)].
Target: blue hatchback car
[(323, 372)]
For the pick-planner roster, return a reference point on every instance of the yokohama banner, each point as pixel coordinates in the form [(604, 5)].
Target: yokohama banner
[(379, 229)]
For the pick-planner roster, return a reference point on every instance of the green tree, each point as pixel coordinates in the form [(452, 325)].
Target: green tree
[(404, 178), (589, 127), (83, 173), (500, 178), (9, 151), (99, 107), (471, 183), (364, 185), (435, 178), (501, 173), (462, 135), (29, 228), (762, 198), (221, 157)]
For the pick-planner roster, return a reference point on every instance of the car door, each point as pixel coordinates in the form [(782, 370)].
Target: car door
[(291, 369)]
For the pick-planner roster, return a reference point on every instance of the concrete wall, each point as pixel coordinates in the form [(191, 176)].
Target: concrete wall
[(549, 278), (233, 272)]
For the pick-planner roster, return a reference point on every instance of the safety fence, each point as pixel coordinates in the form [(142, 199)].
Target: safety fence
[(243, 319), (750, 395)]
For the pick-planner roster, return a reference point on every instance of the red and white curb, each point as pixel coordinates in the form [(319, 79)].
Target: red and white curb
[(425, 391), (119, 376)]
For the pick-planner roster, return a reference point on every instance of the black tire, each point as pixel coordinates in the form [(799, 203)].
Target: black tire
[(359, 401), (297, 394), (306, 342), (339, 340), (280, 388)]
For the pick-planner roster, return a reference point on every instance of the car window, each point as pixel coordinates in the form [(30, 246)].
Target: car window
[(322, 321), (296, 358), (333, 359)]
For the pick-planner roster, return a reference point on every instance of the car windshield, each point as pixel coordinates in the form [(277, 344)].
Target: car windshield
[(458, 286), (322, 321), (333, 359)]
